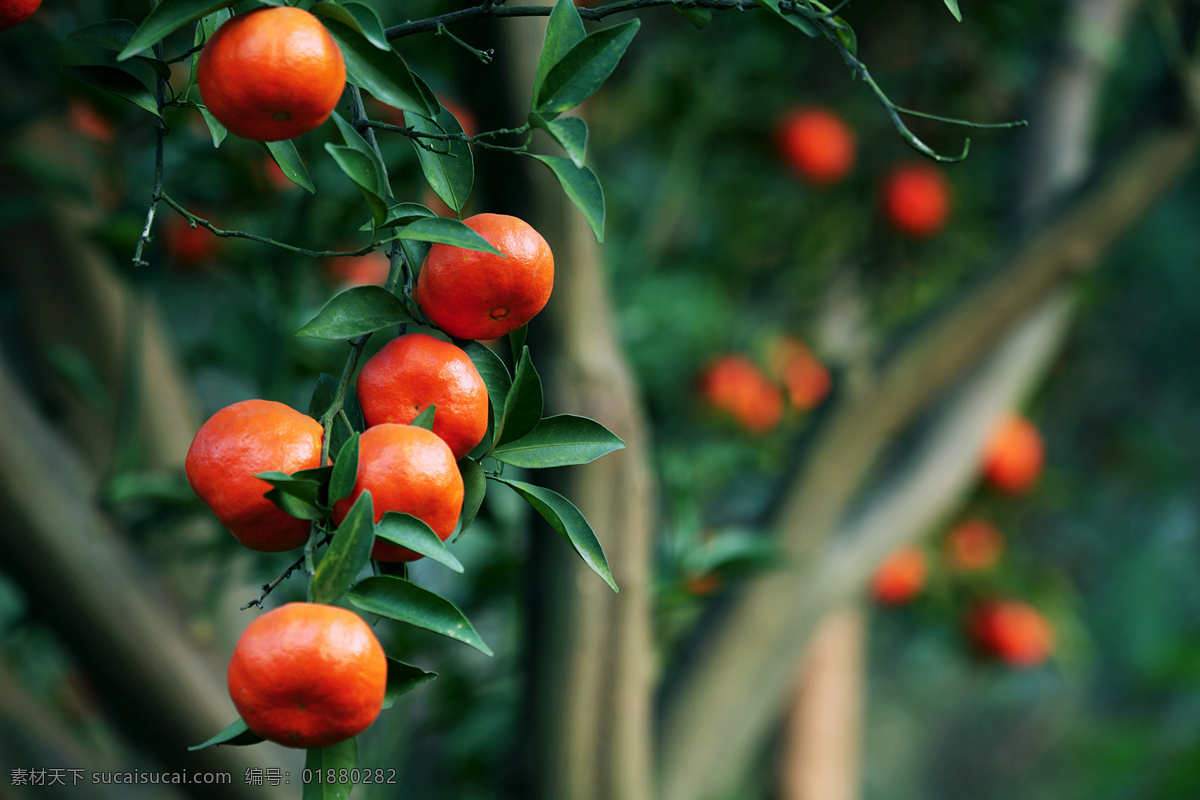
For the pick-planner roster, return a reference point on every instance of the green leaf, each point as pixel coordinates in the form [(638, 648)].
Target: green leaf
[(474, 489), (565, 518), (425, 418), (733, 551), (411, 532), (448, 165), (236, 734), (795, 20), (516, 339), (345, 470), (404, 601), (382, 73), (166, 18), (580, 72), (570, 133), (358, 16), (348, 554), (363, 170), (111, 34), (846, 35), (215, 128), (285, 155), (405, 214), (331, 760), (322, 396), (953, 6), (116, 82), (494, 373), (299, 497), (403, 678), (523, 405), (700, 18), (354, 312), (204, 30), (559, 441), (414, 254), (446, 231), (564, 30), (582, 187)]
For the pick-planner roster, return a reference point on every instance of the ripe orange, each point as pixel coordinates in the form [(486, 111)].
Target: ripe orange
[(1013, 631), (410, 470), (188, 246), (703, 584), (369, 270), (817, 144), (900, 577), (475, 295), (412, 372), (85, 120), (973, 545), (1012, 459), (271, 74), (308, 675), (916, 199), (736, 386), (234, 445), (14, 12), (805, 378)]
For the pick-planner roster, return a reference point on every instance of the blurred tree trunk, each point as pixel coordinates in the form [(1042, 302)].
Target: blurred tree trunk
[(820, 747), (85, 584), (123, 402), (591, 655)]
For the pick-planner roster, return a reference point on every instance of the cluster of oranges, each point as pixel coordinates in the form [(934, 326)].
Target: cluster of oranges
[(306, 674), (914, 196), (757, 399), (1007, 629)]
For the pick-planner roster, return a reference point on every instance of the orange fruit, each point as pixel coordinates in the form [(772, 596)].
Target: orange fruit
[(188, 246), (734, 384), (271, 74), (85, 120), (806, 379), (414, 371), (410, 470), (702, 585), (817, 144), (234, 445), (973, 545), (14, 12), (474, 295), (308, 675), (1013, 631), (916, 199), (900, 577), (369, 270), (1012, 459)]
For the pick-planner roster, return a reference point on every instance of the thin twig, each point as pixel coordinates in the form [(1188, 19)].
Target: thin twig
[(195, 220), (270, 587)]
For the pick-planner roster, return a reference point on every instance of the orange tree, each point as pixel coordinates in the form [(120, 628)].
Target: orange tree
[(364, 488), (168, 47)]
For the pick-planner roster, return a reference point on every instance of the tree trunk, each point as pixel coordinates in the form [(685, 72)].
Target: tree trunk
[(820, 748), (591, 654)]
